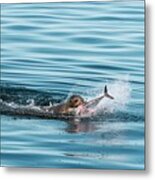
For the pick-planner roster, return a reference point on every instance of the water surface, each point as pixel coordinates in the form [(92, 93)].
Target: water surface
[(52, 50)]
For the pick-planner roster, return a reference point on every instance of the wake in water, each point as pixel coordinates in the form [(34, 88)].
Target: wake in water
[(120, 90)]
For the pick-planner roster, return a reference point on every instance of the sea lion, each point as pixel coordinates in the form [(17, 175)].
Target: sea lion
[(76, 105)]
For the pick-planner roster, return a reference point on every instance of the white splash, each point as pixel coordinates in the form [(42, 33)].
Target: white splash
[(121, 91)]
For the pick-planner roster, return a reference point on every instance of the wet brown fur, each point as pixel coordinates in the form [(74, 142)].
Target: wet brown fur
[(66, 108)]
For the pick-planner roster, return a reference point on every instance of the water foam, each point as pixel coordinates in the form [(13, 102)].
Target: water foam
[(121, 91)]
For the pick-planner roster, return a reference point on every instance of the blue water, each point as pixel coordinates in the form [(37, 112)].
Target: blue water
[(52, 50)]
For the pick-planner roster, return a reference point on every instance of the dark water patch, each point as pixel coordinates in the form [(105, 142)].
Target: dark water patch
[(88, 40), (22, 95), (121, 117), (119, 68), (23, 27), (115, 19)]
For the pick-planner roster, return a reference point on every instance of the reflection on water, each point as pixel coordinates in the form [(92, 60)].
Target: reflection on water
[(77, 126)]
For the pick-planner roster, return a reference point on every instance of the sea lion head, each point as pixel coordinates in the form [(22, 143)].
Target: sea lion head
[(75, 101)]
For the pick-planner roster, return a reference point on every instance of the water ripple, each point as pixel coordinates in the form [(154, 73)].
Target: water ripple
[(52, 50)]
